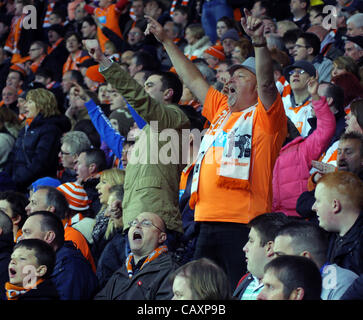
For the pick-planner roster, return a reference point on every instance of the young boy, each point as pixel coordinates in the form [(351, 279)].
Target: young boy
[(31, 264)]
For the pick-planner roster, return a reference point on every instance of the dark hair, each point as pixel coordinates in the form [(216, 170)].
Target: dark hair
[(44, 253), (56, 199), (353, 136), (50, 222), (76, 76), (206, 279), (6, 225), (89, 20), (350, 85), (306, 236), (89, 129), (171, 81), (96, 156), (73, 33), (118, 190), (17, 202), (146, 59), (311, 40), (356, 108), (291, 35), (295, 272), (337, 93), (268, 5), (267, 225)]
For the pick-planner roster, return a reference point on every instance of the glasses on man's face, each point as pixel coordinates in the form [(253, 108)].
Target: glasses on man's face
[(34, 49), (298, 71), (144, 223), (65, 153), (298, 46)]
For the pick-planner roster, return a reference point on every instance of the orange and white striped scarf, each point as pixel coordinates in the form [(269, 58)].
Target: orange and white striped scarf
[(49, 11), (173, 6), (152, 256), (13, 38), (13, 292)]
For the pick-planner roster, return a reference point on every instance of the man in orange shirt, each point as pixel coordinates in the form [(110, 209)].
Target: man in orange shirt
[(233, 171)]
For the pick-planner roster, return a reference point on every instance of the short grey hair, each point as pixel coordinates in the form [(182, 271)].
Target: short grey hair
[(77, 141), (356, 19)]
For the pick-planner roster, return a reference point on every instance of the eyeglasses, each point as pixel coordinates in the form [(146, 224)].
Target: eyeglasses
[(298, 71), (300, 46), (144, 223), (65, 153)]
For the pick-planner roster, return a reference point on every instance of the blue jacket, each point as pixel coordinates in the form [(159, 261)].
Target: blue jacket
[(73, 275), (113, 139)]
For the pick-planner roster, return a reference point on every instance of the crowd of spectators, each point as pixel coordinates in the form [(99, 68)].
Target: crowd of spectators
[(182, 149)]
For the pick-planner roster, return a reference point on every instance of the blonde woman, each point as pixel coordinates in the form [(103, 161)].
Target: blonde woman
[(35, 152), (108, 179)]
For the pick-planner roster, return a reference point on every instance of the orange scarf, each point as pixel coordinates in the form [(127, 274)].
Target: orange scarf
[(13, 292), (35, 65), (152, 256), (28, 121)]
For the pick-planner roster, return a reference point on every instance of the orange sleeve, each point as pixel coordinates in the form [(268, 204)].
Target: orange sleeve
[(214, 102), (71, 234)]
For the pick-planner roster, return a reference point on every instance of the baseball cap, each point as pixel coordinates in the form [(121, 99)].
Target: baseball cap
[(305, 65), (249, 64)]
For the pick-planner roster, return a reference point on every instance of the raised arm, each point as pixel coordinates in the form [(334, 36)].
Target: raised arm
[(266, 86), (185, 69)]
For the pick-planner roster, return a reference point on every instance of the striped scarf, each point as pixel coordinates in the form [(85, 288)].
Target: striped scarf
[(173, 5), (46, 23), (152, 256), (13, 292)]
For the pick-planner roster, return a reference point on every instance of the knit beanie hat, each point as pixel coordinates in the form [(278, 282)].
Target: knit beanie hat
[(216, 51), (231, 34), (93, 73), (76, 196), (45, 181), (124, 119)]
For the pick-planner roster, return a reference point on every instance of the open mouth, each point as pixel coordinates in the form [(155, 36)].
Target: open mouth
[(137, 236), (12, 272)]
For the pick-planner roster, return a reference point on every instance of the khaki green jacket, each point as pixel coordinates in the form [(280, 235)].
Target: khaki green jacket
[(151, 185)]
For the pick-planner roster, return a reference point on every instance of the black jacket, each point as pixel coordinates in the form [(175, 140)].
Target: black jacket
[(242, 286), (35, 152), (6, 248), (44, 291), (347, 251), (150, 283)]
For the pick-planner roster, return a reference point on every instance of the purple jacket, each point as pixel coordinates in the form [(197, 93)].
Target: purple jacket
[(291, 171)]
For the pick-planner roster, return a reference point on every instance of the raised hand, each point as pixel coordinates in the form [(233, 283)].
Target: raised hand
[(313, 86), (155, 28), (253, 27), (94, 49)]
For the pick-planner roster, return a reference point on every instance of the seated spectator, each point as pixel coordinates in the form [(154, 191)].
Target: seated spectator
[(108, 178), (47, 198), (40, 257), (145, 273), (258, 252), (80, 216), (291, 170), (291, 278), (13, 204), (355, 25), (36, 155), (213, 55), (296, 96), (242, 50), (223, 24), (10, 99), (301, 238), (300, 16), (72, 144), (307, 48), (89, 165), (72, 275), (197, 41), (6, 248), (343, 64), (114, 254), (229, 41), (338, 206), (200, 279), (76, 54)]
